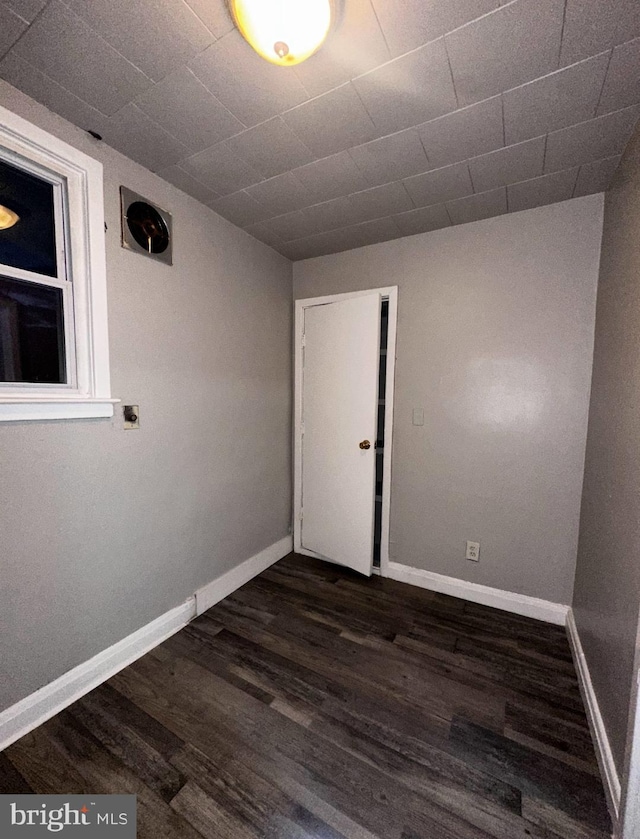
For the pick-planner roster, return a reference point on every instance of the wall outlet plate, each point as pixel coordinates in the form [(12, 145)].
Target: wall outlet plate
[(131, 415), (473, 551)]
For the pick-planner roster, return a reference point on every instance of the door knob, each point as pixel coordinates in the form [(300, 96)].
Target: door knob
[(365, 444)]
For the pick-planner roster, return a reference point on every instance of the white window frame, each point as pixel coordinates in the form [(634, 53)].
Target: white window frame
[(87, 392)]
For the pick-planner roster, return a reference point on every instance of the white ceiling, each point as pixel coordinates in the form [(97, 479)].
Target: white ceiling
[(416, 115)]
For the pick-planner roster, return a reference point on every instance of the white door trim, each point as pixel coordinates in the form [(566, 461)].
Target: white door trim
[(390, 292), (628, 826)]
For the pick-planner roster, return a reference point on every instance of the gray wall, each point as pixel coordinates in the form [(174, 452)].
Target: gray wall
[(607, 587), (495, 337), (101, 529)]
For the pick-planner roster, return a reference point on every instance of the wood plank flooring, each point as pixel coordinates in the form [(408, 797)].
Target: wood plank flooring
[(315, 703)]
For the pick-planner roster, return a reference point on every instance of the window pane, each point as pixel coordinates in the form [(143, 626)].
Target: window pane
[(31, 333), (29, 242)]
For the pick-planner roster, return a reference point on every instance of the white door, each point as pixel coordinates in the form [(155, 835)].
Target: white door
[(339, 412)]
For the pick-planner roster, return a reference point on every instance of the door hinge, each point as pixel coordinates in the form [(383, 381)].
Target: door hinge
[(301, 515), (302, 428), (304, 340)]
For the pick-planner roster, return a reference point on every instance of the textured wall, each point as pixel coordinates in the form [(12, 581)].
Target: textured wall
[(101, 529), (495, 336), (607, 588)]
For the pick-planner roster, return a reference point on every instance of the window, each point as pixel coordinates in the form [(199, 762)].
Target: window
[(53, 319)]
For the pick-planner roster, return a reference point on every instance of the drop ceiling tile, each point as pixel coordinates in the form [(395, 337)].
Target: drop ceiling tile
[(11, 28), (221, 169), (508, 166), (592, 26), (303, 249), (513, 45), (250, 87), (40, 87), (440, 185), (262, 232), (183, 180), (555, 101), (408, 24), (423, 220), (272, 148), (355, 47), (290, 226), (622, 85), (381, 201), (596, 139), (282, 194), (359, 235), (59, 43), (134, 134), (331, 177), (477, 207), (214, 14), (183, 106), (334, 241), (240, 208), (409, 90), (26, 9), (332, 122), (320, 245), (596, 176), (372, 232), (329, 215), (391, 158), (540, 191), (465, 133), (155, 35)]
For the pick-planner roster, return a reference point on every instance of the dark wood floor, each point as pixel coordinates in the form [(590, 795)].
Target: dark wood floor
[(315, 703)]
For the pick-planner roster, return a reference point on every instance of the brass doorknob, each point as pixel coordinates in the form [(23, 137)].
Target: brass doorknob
[(365, 444)]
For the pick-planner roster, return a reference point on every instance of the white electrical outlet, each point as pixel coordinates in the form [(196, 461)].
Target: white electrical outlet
[(473, 551)]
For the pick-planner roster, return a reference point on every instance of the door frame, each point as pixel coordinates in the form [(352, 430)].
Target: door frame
[(628, 826), (391, 293)]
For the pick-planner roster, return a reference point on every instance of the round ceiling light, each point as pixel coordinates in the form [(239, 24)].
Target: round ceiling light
[(284, 32), (7, 218)]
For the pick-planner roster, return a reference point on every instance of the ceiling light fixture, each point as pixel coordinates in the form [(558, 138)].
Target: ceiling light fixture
[(7, 218), (284, 32)]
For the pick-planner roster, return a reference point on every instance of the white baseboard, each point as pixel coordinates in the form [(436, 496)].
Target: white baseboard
[(40, 706), (218, 589), (49, 700), (508, 601), (608, 770)]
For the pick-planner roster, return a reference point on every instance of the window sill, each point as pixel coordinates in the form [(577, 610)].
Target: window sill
[(29, 408)]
